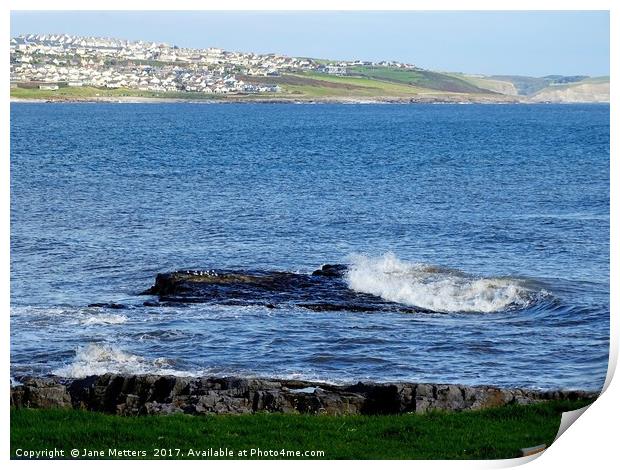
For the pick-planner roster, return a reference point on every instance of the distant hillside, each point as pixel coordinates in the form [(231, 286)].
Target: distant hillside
[(551, 88), (498, 86), (419, 78), (61, 67), (592, 90), (529, 85)]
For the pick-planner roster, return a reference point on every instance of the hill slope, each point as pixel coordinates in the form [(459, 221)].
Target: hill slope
[(586, 91), (419, 78)]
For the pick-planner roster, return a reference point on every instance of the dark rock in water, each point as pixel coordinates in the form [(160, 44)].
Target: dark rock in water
[(323, 290), (331, 270), (151, 303), (108, 305), (367, 307), (156, 394), (327, 307), (185, 283)]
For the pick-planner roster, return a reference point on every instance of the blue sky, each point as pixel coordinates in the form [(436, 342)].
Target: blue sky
[(508, 42)]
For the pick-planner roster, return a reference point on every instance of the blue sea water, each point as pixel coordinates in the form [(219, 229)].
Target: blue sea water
[(495, 217)]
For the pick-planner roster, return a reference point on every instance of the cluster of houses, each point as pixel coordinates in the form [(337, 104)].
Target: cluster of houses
[(52, 60), (343, 67)]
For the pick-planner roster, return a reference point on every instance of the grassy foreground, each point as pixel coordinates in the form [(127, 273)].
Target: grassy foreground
[(488, 434)]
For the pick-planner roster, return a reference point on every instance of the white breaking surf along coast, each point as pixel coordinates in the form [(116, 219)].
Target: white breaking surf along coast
[(436, 288)]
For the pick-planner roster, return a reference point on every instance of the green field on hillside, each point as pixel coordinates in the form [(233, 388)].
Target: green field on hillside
[(419, 78), (69, 93), (487, 434), (524, 85), (318, 84), (486, 83), (302, 85)]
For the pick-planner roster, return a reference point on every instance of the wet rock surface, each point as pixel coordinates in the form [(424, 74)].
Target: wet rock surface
[(131, 395), (110, 305), (323, 290)]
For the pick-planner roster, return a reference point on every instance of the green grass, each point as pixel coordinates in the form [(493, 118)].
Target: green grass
[(319, 85), (485, 83), (76, 93), (524, 85), (487, 434), (86, 93), (368, 85), (310, 91), (306, 85), (418, 78)]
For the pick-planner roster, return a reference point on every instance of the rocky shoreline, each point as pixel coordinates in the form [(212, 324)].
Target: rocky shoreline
[(305, 101), (131, 395), (421, 99)]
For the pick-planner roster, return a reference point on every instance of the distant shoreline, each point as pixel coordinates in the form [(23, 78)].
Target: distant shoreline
[(286, 100), (424, 99)]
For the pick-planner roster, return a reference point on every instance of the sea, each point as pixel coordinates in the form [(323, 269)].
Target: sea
[(490, 223)]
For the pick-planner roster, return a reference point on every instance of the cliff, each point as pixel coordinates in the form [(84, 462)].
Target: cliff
[(581, 92)]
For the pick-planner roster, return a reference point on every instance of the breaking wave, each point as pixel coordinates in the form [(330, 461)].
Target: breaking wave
[(104, 319), (435, 288), (97, 359)]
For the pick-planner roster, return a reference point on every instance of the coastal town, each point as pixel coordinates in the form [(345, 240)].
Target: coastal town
[(51, 61), (62, 67)]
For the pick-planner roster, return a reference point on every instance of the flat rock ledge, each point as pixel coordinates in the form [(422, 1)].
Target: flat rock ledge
[(131, 395)]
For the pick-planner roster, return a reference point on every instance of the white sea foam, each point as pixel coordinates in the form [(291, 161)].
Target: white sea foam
[(97, 359), (15, 382), (435, 288), (104, 319)]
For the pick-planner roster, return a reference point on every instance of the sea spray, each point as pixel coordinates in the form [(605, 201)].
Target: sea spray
[(96, 359), (104, 319), (435, 288)]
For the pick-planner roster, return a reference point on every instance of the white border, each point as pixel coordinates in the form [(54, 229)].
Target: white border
[(592, 442)]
